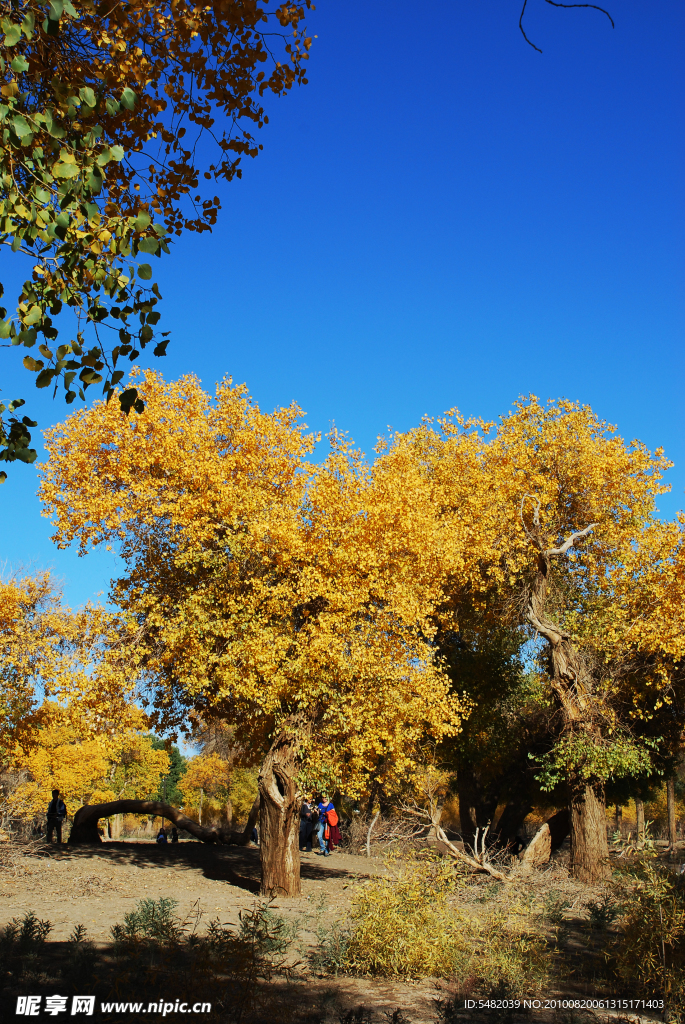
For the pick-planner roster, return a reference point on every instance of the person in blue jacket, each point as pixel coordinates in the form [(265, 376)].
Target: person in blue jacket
[(323, 806)]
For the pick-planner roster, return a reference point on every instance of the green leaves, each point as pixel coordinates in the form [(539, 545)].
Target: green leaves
[(145, 271), (12, 32), (20, 126), (62, 170), (148, 245), (128, 99)]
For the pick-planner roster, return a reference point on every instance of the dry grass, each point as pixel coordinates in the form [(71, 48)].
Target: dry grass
[(416, 922)]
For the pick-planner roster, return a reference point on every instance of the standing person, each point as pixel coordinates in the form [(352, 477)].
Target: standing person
[(57, 812), (334, 838), (323, 807), (306, 826), (174, 835)]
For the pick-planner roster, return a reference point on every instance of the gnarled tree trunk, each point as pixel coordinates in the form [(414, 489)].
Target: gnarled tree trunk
[(279, 818), (572, 685), (84, 829), (589, 847)]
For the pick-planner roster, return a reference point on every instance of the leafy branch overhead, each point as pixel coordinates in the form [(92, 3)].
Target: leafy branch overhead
[(101, 114)]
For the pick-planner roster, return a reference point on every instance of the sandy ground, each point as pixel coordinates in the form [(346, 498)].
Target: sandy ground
[(97, 886)]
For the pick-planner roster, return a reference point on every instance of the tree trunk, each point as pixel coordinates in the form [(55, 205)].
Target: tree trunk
[(84, 830), (670, 806), (549, 837), (477, 805), (640, 822), (229, 811), (511, 821), (279, 817), (618, 818), (589, 847), (572, 684)]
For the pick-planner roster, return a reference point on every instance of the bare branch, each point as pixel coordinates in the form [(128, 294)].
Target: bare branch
[(553, 3), (594, 7), (570, 542), (523, 33)]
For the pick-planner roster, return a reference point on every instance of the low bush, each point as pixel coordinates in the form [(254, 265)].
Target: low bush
[(649, 952), (411, 925)]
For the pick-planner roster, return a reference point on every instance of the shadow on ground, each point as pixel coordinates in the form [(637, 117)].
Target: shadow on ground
[(238, 865)]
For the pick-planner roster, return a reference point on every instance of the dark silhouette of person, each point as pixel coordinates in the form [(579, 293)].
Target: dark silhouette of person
[(57, 812)]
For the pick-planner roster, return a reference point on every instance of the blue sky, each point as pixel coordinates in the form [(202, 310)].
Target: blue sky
[(442, 217)]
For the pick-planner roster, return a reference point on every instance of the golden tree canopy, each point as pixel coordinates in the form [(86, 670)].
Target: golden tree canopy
[(261, 586), (72, 658)]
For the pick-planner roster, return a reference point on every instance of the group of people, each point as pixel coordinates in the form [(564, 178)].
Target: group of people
[(163, 839), (321, 818)]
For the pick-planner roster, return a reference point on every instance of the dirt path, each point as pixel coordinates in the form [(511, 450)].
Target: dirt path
[(97, 886)]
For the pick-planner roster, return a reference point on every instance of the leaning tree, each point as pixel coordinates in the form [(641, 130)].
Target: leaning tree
[(559, 527), (288, 600)]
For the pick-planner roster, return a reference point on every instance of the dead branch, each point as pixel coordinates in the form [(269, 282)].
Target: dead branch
[(555, 3), (368, 834), (570, 542), (476, 863)]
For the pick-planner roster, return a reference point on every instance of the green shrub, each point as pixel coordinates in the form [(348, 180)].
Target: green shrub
[(649, 954)]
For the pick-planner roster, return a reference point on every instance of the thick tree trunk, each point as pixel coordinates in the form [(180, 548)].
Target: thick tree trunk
[(640, 822), (279, 818), (572, 684), (670, 807), (511, 821), (477, 805), (84, 830), (589, 847)]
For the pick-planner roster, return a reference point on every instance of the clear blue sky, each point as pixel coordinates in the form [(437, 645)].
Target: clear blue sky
[(441, 217)]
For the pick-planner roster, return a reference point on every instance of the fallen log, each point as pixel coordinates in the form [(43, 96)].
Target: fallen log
[(84, 830)]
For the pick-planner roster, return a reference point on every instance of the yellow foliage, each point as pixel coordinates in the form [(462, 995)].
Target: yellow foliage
[(264, 586), (71, 658), (84, 768), (410, 924)]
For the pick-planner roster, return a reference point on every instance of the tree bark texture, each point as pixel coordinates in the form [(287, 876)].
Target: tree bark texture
[(640, 822), (279, 817), (572, 685), (84, 830), (548, 837), (589, 846), (670, 807)]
